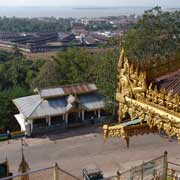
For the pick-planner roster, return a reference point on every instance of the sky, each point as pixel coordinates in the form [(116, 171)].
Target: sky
[(163, 3)]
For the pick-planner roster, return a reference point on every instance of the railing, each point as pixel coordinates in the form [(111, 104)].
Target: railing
[(13, 135), (154, 169), (50, 173), (85, 174), (173, 171), (64, 175)]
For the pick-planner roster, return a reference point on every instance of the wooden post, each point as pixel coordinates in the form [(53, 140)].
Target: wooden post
[(66, 118), (127, 141), (56, 172), (82, 115), (165, 166)]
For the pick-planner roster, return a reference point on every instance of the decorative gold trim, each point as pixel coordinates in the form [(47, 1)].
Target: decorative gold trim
[(159, 109)]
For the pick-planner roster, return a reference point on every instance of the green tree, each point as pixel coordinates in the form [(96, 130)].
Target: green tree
[(17, 52), (18, 72), (5, 56), (75, 65), (156, 33), (49, 75), (8, 110)]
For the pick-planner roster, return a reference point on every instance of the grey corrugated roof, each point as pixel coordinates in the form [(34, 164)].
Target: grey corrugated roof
[(34, 106), (26, 105), (92, 101), (50, 107)]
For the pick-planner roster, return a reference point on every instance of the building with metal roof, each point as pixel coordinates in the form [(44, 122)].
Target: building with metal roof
[(64, 104)]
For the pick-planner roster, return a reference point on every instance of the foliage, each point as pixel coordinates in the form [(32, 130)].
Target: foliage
[(52, 24), (17, 52), (7, 107), (77, 65), (5, 56), (114, 41), (48, 75), (16, 75), (156, 33), (18, 72)]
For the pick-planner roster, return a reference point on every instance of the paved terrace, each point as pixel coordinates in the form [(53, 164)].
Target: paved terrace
[(84, 148)]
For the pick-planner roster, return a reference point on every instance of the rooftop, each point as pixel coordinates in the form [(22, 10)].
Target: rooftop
[(169, 82), (66, 90), (59, 100)]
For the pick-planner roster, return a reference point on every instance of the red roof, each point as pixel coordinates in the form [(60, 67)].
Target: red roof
[(77, 89), (67, 90)]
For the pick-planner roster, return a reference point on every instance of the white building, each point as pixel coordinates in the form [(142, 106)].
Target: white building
[(59, 106)]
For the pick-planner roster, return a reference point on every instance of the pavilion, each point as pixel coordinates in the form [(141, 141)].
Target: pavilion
[(62, 105)]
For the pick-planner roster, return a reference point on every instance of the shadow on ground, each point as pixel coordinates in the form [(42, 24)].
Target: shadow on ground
[(70, 132)]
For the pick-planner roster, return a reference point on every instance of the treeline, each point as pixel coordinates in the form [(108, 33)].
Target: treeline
[(8, 24), (16, 73)]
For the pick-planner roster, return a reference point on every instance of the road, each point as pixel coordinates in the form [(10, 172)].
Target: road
[(84, 148)]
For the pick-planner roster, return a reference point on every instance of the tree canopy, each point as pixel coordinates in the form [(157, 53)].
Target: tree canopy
[(13, 24), (156, 33)]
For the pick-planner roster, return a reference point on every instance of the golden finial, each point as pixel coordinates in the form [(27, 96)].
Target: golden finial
[(121, 59), (23, 167)]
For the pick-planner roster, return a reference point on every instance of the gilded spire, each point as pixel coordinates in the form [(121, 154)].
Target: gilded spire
[(23, 167)]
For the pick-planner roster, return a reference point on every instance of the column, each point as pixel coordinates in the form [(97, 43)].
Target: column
[(63, 117), (95, 112), (29, 127), (99, 113), (83, 115), (66, 118), (48, 121), (79, 114)]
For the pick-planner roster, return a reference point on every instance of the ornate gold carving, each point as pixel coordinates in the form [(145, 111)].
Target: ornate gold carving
[(157, 108), (127, 131)]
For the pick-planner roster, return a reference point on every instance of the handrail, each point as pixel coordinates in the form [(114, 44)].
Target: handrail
[(27, 173), (68, 173), (173, 163)]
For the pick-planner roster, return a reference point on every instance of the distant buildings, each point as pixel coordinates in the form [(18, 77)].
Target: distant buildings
[(85, 32), (43, 42), (64, 105), (94, 21)]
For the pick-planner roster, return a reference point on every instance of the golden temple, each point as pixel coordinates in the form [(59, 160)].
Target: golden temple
[(142, 107)]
